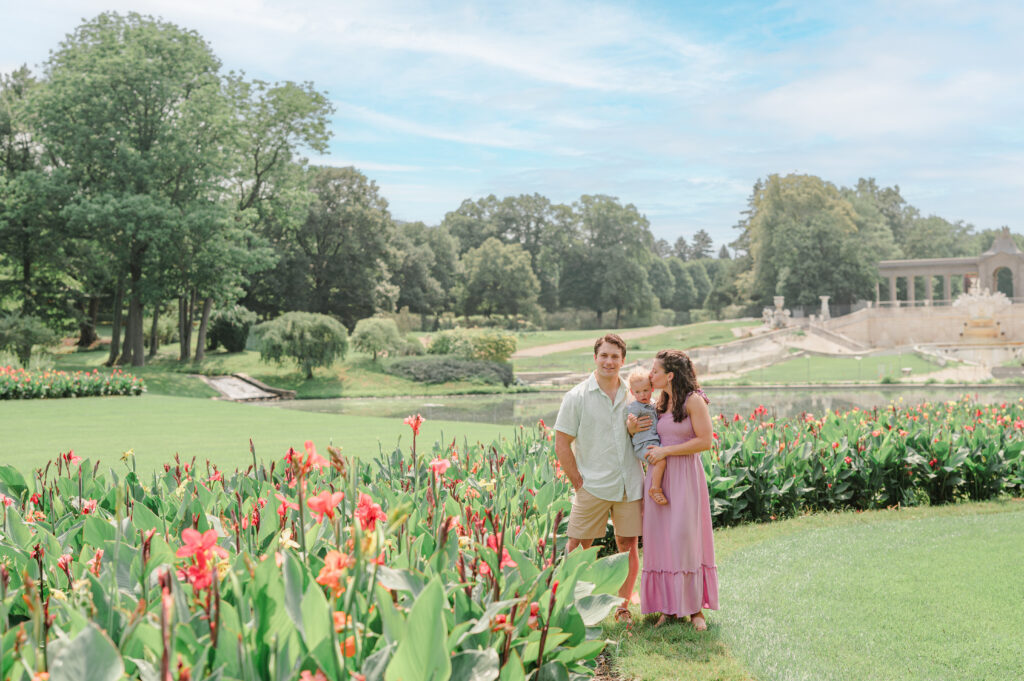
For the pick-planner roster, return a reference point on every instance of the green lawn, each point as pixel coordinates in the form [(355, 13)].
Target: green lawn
[(533, 339), (811, 369), (357, 376), (923, 593), (680, 337), (157, 426)]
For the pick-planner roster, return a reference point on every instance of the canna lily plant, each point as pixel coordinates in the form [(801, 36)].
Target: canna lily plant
[(452, 567)]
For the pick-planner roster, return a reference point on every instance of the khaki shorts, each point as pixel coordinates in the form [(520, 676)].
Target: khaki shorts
[(589, 517)]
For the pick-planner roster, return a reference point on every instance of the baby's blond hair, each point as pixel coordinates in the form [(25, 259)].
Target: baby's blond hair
[(638, 374)]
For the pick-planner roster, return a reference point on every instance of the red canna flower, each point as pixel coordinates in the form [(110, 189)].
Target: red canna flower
[(368, 512)]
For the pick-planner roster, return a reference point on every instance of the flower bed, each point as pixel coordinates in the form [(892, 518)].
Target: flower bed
[(19, 384), (412, 567), (762, 469)]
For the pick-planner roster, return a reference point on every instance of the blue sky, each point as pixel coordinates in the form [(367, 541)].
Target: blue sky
[(675, 107)]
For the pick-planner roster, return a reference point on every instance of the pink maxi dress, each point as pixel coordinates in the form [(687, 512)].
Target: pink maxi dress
[(679, 574)]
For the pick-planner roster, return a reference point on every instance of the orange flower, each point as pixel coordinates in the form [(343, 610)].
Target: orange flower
[(368, 512), (335, 564), (342, 622), (348, 648)]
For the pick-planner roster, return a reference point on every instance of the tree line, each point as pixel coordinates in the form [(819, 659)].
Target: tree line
[(138, 177)]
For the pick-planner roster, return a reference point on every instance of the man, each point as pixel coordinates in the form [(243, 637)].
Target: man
[(607, 478)]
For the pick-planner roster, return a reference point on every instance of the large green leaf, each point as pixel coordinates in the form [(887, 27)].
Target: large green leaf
[(475, 665), (513, 669), (595, 608), (91, 656), (424, 655), (293, 591), (12, 483)]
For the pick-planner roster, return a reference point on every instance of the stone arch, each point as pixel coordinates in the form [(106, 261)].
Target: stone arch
[(1003, 281)]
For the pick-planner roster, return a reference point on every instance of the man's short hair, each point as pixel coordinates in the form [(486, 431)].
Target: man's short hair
[(613, 339)]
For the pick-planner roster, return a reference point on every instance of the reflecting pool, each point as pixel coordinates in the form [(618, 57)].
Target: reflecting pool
[(527, 408)]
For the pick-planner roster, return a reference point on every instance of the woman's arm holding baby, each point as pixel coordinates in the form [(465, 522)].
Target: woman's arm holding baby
[(700, 419)]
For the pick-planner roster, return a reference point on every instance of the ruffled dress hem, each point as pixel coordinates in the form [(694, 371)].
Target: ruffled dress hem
[(679, 592)]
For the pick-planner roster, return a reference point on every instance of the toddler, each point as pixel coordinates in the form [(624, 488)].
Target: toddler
[(640, 388)]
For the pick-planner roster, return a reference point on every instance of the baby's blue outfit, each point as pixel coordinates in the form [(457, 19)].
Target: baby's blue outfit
[(645, 437)]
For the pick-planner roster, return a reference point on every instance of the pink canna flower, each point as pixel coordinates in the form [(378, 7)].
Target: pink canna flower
[(323, 504), (439, 466), (414, 422)]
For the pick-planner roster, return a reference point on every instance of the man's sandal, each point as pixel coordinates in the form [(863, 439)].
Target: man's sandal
[(622, 614), (658, 495)]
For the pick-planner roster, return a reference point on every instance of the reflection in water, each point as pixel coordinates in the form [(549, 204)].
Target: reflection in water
[(527, 408)]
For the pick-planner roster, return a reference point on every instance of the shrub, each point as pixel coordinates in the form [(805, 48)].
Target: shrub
[(448, 368), (230, 327), (20, 333), (451, 342), (306, 338), (492, 345), (166, 329), (411, 346), (376, 335)]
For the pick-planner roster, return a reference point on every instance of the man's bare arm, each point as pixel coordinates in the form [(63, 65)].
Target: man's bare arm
[(566, 459)]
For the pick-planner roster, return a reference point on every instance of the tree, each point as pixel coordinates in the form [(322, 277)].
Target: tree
[(412, 270), (376, 335), (308, 339), (662, 283), (343, 247), (805, 240), (701, 282), (702, 245), (723, 253), (133, 107), (681, 249), (498, 280), (684, 294), (662, 248)]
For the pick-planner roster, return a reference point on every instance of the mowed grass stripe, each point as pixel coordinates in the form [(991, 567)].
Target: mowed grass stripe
[(920, 598), (157, 426)]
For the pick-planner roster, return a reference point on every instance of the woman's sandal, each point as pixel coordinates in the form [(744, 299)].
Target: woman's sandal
[(658, 495), (698, 622), (622, 614)]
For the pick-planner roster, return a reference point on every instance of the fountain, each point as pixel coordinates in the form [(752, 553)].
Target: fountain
[(982, 306)]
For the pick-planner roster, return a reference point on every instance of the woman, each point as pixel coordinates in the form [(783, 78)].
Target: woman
[(679, 576)]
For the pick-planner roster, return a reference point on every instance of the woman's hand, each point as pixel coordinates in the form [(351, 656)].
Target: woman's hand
[(635, 425), (655, 454)]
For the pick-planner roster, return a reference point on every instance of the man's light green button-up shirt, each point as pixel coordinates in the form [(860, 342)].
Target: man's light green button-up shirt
[(604, 453)]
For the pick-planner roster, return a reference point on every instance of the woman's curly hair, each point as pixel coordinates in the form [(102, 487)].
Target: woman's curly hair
[(684, 382)]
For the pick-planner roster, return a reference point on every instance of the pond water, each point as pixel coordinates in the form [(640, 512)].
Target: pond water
[(527, 408)]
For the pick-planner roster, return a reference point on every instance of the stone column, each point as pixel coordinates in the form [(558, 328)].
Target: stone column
[(911, 293), (878, 292), (825, 316), (892, 290), (929, 285), (947, 287)]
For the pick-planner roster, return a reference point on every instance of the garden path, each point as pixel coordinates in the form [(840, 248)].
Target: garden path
[(542, 350)]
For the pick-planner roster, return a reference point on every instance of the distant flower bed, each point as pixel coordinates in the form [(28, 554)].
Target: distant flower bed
[(903, 455), (19, 384)]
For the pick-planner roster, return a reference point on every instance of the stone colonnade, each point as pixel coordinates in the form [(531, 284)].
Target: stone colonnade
[(964, 270)]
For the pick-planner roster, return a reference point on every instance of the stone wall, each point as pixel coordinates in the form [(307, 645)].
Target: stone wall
[(888, 327)]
